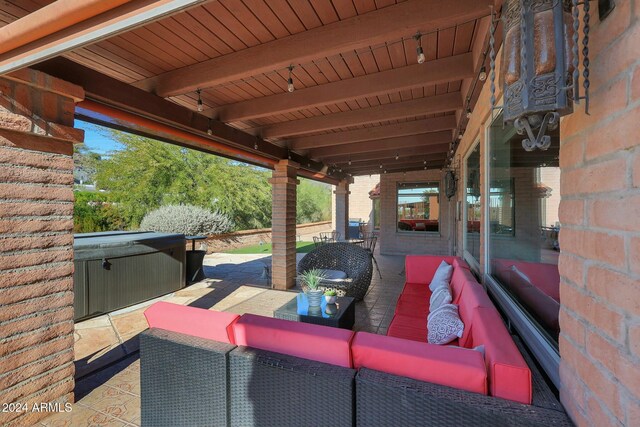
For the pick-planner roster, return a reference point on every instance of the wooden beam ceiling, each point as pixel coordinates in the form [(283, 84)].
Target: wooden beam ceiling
[(103, 25), (412, 141), (374, 167), (362, 31), (405, 78), (399, 110), (405, 168), (121, 96), (369, 134), (423, 153)]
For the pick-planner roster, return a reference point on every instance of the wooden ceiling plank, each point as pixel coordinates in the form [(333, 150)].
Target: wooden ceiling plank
[(260, 9), (373, 133), (204, 33), (306, 13), (344, 9), (207, 19), (325, 11), (287, 16), (454, 68), (244, 15), (364, 6), (104, 60), (448, 102), (433, 138), (361, 31), (232, 23)]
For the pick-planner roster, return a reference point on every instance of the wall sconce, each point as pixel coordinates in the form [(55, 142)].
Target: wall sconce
[(540, 65)]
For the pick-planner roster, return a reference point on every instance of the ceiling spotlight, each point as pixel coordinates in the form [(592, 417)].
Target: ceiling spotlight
[(397, 156), (255, 146), (385, 171), (424, 163), (290, 87), (483, 74), (380, 165), (349, 162), (209, 131), (468, 112), (460, 135), (419, 51), (200, 106)]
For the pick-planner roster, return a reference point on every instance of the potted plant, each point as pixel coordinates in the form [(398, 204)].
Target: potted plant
[(330, 296), (312, 279)]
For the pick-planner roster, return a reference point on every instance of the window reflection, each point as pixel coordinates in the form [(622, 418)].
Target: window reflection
[(473, 206), (418, 206), (523, 222)]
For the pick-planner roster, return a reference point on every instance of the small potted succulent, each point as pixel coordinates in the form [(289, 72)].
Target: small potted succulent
[(330, 296), (312, 279)]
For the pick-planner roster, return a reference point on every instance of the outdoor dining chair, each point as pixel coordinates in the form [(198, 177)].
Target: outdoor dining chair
[(369, 241)]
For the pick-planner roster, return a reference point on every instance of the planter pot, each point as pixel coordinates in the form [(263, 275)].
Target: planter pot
[(330, 299), (195, 271), (315, 298), (331, 309)]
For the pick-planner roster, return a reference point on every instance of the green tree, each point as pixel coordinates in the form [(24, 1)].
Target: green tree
[(94, 211), (313, 202)]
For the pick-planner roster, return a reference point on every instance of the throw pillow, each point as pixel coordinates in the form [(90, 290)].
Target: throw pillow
[(442, 276), (442, 295), (444, 325)]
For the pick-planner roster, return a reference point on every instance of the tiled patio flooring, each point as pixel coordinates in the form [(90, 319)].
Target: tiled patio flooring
[(111, 396)]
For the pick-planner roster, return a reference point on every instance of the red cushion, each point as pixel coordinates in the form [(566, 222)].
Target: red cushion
[(418, 289), (198, 322), (453, 367), (313, 342), (460, 263), (508, 374), (421, 268), (473, 295), (412, 305), (410, 327), (458, 279)]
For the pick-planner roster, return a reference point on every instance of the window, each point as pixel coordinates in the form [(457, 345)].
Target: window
[(524, 195), (472, 204), (418, 206)]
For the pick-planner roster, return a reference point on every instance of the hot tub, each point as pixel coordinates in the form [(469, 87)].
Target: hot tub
[(114, 270)]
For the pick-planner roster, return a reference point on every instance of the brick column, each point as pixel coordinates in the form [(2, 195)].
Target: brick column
[(600, 232), (283, 225), (36, 242), (342, 207)]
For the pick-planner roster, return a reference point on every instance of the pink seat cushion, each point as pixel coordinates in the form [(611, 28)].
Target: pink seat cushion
[(412, 305), (473, 295), (508, 374), (198, 322), (419, 289), (313, 342), (453, 367), (458, 279)]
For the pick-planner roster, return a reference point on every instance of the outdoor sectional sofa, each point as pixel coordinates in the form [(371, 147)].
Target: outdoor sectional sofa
[(202, 367)]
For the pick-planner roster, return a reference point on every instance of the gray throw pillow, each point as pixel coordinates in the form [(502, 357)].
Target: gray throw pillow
[(442, 276), (444, 325)]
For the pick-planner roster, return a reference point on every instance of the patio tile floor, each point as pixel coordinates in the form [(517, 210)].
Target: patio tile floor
[(110, 395)]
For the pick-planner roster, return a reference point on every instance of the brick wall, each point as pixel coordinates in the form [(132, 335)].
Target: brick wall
[(227, 241), (283, 224), (600, 235), (360, 205), (36, 242), (393, 242)]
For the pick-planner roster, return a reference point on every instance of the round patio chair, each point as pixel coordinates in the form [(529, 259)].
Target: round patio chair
[(349, 258)]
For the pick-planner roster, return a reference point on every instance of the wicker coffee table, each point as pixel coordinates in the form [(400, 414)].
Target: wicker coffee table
[(339, 315)]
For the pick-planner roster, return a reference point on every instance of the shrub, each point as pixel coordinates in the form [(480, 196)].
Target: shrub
[(186, 219)]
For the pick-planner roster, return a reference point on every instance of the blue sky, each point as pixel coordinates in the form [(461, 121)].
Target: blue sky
[(97, 138)]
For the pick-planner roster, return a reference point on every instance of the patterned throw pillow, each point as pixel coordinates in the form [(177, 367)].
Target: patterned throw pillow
[(444, 325), (442, 276), (442, 295)]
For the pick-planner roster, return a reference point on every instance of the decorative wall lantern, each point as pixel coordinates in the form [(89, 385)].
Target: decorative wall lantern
[(540, 74)]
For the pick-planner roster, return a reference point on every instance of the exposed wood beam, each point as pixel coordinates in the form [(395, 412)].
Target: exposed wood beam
[(433, 72), (121, 96), (420, 153), (415, 127), (109, 23), (412, 141), (408, 168), (399, 110), (392, 165), (362, 31)]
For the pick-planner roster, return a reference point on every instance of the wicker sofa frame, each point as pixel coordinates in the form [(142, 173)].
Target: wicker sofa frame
[(354, 260), (190, 381)]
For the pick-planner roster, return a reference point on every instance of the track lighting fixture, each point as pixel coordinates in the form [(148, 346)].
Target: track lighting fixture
[(290, 86), (200, 106), (419, 51)]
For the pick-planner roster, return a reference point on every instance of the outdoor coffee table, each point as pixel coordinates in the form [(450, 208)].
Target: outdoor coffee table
[(338, 315)]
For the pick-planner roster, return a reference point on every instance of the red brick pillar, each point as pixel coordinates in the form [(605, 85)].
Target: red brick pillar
[(36, 242), (600, 234), (342, 208), (283, 224)]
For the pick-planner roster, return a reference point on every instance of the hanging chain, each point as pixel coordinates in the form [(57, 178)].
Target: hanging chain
[(492, 60), (574, 49), (585, 55)]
